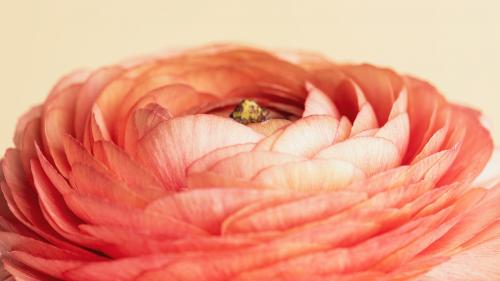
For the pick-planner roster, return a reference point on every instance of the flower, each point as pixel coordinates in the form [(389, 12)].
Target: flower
[(233, 163)]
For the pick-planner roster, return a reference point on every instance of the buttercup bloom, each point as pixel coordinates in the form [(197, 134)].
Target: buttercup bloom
[(233, 163)]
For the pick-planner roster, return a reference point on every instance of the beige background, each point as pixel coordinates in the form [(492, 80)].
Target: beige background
[(454, 43)]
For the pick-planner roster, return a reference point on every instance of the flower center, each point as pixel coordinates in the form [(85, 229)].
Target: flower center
[(249, 111)]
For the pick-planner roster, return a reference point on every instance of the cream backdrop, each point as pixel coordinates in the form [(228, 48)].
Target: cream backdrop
[(453, 43)]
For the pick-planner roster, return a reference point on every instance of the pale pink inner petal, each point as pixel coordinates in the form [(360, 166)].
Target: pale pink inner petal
[(370, 154), (174, 144)]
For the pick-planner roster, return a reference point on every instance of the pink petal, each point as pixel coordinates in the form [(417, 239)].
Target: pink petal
[(127, 169), (397, 130), (423, 104), (89, 181), (311, 175), (15, 242), (410, 251), (317, 103), (434, 166), (142, 121), (344, 259), (20, 271), (307, 136), (480, 263), (177, 99), (476, 145), (98, 128), (52, 201), (479, 218), (52, 267), (293, 213), (21, 194), (209, 159), (192, 206), (370, 154), (365, 120), (101, 213), (400, 105), (76, 77), (212, 179), (433, 145), (56, 124), (33, 114), (342, 90), (344, 129), (267, 143), (245, 165), (376, 86), (490, 176), (121, 269), (268, 127), (30, 138), (172, 146), (89, 93)]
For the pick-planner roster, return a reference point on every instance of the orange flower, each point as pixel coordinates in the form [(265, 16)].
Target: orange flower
[(232, 163)]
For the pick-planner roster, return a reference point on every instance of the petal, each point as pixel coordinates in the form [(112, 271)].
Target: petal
[(121, 269), (22, 272), (343, 259), (479, 218), (344, 130), (176, 98), (293, 213), (33, 114), (476, 144), (52, 201), (433, 145), (78, 154), (342, 90), (307, 136), (111, 217), (128, 170), (317, 103), (172, 146), (245, 165), (30, 138), (209, 159), (365, 120), (311, 175), (192, 206), (268, 127), (424, 102), (98, 128), (142, 121), (267, 143), (56, 124), (22, 194), (89, 181), (491, 173), (52, 267), (15, 242), (397, 130), (480, 263), (376, 86), (89, 93), (370, 154), (211, 179), (400, 105)]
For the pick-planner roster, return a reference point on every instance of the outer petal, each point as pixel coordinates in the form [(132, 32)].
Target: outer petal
[(480, 263)]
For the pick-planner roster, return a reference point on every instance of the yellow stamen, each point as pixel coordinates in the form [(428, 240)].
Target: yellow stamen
[(248, 111)]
